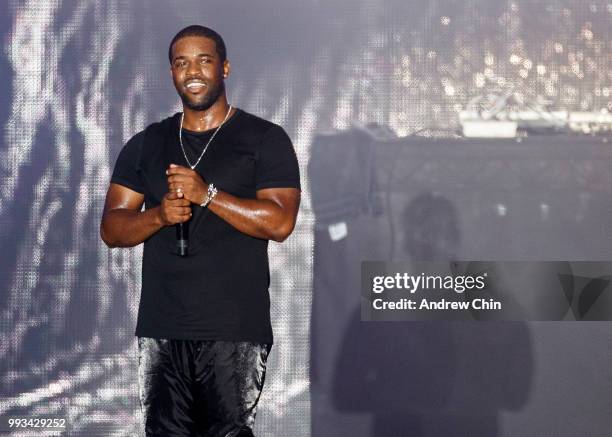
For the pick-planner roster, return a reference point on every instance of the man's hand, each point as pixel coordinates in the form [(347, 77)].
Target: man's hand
[(174, 209), (188, 181)]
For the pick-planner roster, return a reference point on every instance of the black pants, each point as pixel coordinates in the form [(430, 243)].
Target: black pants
[(200, 388)]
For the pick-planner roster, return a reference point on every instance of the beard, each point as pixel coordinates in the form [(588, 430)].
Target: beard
[(204, 102)]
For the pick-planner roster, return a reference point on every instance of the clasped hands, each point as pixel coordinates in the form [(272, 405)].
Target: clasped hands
[(185, 186)]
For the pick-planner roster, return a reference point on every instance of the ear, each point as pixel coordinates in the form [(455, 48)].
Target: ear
[(227, 69)]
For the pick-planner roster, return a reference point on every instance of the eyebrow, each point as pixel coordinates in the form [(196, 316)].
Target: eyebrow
[(199, 55)]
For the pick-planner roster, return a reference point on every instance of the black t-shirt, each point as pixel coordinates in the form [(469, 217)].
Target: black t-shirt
[(219, 291)]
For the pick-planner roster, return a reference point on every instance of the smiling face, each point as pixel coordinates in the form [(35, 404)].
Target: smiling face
[(197, 72)]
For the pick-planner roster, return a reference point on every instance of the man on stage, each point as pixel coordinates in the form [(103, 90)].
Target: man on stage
[(230, 181)]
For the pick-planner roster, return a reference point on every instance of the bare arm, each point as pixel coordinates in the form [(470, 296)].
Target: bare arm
[(125, 225), (271, 215)]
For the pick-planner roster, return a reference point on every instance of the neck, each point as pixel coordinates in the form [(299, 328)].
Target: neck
[(210, 118)]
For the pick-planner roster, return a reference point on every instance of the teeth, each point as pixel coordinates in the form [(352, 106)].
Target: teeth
[(195, 85)]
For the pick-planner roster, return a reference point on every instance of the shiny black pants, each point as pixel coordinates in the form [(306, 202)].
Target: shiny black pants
[(200, 388)]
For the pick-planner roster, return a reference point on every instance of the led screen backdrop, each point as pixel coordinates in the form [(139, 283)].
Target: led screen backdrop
[(79, 78)]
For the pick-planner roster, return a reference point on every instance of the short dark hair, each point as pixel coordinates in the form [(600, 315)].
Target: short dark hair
[(206, 32)]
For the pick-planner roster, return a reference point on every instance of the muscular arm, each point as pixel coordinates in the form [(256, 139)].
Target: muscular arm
[(271, 215), (123, 223)]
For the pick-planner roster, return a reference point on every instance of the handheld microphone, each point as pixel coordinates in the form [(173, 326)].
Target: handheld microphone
[(182, 238)]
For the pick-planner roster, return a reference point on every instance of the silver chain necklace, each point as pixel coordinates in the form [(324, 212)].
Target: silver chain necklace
[(207, 144)]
